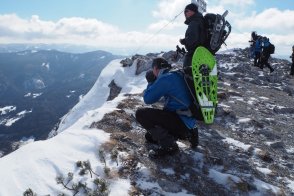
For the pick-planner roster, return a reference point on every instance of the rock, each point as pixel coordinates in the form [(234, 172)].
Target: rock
[(279, 110), (276, 145), (126, 62), (265, 156)]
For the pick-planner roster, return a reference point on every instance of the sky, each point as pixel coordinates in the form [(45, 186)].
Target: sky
[(139, 26)]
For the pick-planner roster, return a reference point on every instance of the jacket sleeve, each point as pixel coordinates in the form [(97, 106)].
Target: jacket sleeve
[(155, 91), (192, 37)]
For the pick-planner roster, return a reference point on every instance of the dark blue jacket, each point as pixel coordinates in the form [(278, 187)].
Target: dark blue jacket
[(172, 87), (257, 46)]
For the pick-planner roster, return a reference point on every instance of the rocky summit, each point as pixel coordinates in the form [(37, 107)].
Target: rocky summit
[(248, 150)]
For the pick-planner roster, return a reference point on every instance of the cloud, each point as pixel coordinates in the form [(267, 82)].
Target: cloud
[(239, 3), (165, 25), (75, 30), (270, 20), (168, 9)]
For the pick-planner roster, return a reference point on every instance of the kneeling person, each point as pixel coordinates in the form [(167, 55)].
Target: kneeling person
[(174, 121)]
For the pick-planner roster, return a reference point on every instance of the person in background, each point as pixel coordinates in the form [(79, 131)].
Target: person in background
[(265, 54), (256, 47), (292, 67)]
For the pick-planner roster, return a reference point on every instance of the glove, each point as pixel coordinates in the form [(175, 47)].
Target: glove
[(150, 77)]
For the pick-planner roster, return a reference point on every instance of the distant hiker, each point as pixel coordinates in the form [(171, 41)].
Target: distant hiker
[(292, 67), (174, 121), (265, 54), (195, 34), (256, 44)]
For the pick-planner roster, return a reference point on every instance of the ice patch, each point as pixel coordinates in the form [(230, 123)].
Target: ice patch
[(264, 98), (238, 98), (223, 105), (244, 120), (168, 171), (264, 187), (223, 179), (290, 150), (260, 73), (263, 170), (237, 143), (290, 184)]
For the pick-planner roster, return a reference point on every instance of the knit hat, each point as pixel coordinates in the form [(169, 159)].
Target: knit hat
[(193, 7), (160, 63)]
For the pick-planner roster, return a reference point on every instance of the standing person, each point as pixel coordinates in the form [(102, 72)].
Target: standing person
[(265, 55), (195, 34), (257, 48), (292, 67), (165, 126)]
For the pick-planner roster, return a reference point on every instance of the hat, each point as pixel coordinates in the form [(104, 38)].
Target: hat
[(193, 7), (160, 63)]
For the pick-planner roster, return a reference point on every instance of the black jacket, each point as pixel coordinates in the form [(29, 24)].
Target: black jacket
[(195, 34), (292, 56)]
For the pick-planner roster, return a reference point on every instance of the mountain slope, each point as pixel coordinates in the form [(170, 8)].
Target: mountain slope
[(247, 151)]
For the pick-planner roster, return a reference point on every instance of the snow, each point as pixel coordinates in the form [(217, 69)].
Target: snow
[(264, 170), (264, 187), (244, 120), (290, 150), (228, 66), (222, 178), (168, 171), (37, 164), (7, 109), (33, 95), (290, 184), (10, 121), (46, 65), (236, 143)]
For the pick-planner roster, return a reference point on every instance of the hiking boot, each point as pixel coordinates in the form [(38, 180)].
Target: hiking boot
[(163, 151), (193, 137), (149, 138)]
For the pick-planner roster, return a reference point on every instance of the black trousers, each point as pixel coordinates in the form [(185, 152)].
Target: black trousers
[(256, 58), (264, 61), (164, 126), (188, 60)]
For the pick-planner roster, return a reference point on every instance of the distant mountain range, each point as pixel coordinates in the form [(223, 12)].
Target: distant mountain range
[(71, 48), (38, 87)]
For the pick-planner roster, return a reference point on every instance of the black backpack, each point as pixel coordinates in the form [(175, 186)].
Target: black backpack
[(194, 107), (217, 31), (271, 48)]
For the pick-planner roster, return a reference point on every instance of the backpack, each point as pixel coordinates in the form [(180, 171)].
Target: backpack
[(217, 31), (271, 48), (194, 107)]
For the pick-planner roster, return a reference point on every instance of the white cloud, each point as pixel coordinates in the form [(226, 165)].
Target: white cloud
[(166, 25), (168, 9), (13, 27), (270, 20), (239, 3)]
